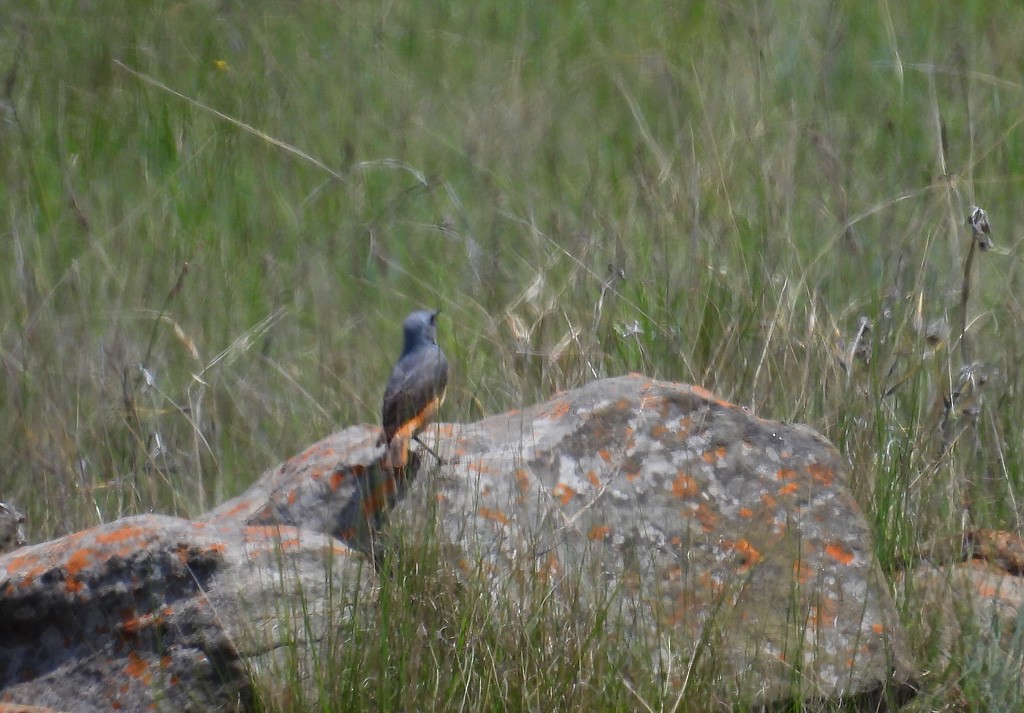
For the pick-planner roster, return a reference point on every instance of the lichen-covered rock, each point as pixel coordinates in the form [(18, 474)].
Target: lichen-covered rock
[(158, 613), (969, 590), (703, 523)]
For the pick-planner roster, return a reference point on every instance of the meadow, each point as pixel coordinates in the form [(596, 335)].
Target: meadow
[(214, 216)]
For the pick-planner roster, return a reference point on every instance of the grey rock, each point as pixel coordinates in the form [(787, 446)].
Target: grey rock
[(158, 613), (701, 524)]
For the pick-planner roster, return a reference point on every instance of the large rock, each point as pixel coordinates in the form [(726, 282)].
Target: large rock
[(154, 612), (703, 529), (690, 517)]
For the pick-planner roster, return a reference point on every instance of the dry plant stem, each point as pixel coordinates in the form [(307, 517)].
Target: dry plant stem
[(965, 294)]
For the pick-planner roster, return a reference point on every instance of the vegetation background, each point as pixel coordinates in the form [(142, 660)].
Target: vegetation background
[(214, 215)]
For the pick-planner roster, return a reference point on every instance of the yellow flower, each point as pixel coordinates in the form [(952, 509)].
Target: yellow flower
[(221, 64)]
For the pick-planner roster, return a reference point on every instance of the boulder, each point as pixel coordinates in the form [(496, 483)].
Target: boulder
[(159, 613), (697, 521)]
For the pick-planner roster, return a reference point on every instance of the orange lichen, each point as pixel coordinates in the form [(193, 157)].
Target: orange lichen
[(79, 560), (137, 667), (493, 514), (708, 396), (839, 553), (481, 467), (785, 474), (556, 409), (878, 629), (20, 563), (711, 583), (746, 513), (564, 493), (685, 486), (593, 479), (658, 431), (707, 517), (713, 456), (802, 572), (522, 480), (788, 489), (599, 532), (550, 566), (234, 510), (824, 613), (749, 556), (623, 404), (820, 473), (305, 455), (605, 455), (987, 590), (768, 501), (119, 536), (132, 624)]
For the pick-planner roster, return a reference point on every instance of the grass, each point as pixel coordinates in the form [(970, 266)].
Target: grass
[(215, 216)]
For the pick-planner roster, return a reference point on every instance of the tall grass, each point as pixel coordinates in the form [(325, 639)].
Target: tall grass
[(215, 215)]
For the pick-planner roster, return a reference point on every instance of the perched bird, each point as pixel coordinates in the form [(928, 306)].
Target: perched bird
[(416, 387)]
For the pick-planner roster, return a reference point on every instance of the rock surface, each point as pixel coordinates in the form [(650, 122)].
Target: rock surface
[(158, 613), (971, 589), (700, 522), (696, 518)]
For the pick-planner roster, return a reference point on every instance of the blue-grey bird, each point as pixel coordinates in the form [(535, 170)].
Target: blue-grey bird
[(416, 387)]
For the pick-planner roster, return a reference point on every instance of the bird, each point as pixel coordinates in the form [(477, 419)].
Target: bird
[(415, 389)]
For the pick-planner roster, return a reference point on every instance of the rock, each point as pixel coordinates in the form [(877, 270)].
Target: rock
[(696, 517), (158, 613), (970, 591), (12, 528)]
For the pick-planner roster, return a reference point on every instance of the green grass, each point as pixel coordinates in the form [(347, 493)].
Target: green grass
[(714, 193)]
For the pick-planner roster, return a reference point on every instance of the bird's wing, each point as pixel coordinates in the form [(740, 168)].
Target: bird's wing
[(417, 379)]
